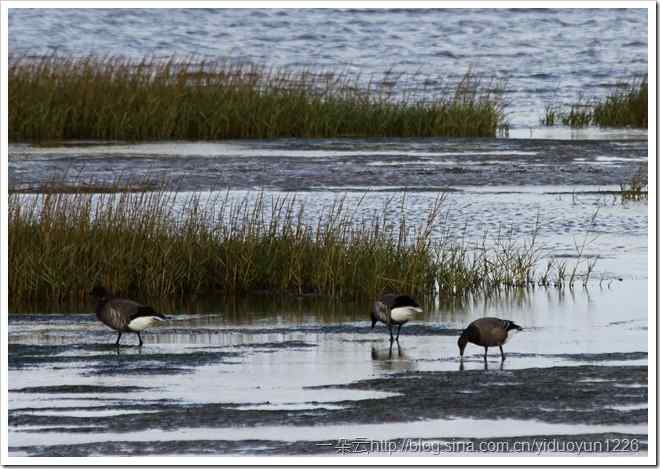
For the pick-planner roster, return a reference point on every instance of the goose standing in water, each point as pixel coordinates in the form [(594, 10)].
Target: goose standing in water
[(123, 315), (394, 310), (487, 332)]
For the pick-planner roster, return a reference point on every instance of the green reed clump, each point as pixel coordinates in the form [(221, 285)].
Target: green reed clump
[(627, 106), (154, 245), (579, 115), (111, 98), (551, 115), (159, 247)]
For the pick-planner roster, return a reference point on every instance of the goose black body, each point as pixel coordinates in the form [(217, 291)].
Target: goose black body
[(123, 315), (394, 310), (487, 332)]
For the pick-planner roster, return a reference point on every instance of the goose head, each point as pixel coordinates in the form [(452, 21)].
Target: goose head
[(100, 293)]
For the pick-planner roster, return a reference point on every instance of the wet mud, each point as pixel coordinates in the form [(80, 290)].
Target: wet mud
[(339, 164), (396, 447), (597, 395)]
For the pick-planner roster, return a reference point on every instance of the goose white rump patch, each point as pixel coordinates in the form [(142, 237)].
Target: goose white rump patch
[(143, 322), (404, 313)]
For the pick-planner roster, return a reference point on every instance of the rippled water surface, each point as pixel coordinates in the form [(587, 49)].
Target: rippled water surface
[(546, 55)]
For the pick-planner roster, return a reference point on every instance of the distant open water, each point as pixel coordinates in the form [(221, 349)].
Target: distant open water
[(545, 56)]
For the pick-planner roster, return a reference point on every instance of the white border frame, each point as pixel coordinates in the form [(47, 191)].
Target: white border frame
[(650, 459)]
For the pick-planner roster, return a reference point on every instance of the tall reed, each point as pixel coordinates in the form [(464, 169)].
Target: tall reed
[(159, 246), (153, 245), (626, 106), (55, 98)]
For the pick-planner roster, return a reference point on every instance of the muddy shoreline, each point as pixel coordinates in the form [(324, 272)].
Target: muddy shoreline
[(595, 395), (339, 164)]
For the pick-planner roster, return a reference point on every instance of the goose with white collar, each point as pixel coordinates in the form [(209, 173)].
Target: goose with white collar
[(123, 315), (394, 310)]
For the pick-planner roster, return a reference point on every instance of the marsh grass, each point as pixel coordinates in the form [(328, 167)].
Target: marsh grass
[(153, 245), (57, 186), (626, 106), (637, 188), (579, 115), (551, 115), (111, 98), (162, 248)]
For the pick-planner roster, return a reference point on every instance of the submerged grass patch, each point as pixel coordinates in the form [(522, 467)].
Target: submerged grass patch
[(55, 98), (637, 187), (156, 246)]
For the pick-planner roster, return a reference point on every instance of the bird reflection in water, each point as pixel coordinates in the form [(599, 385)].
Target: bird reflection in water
[(461, 366), (392, 357)]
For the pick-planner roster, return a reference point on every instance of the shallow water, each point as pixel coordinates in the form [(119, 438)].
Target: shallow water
[(546, 56), (289, 380), (270, 377)]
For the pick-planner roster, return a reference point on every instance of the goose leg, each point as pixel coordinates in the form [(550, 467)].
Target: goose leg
[(485, 353), (397, 333), (502, 352), (391, 334), (118, 337), (140, 339)]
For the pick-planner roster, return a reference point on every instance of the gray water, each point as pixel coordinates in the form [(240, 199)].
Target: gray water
[(265, 376), (547, 56)]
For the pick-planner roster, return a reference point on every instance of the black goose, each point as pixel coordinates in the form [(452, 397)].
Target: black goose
[(123, 315), (487, 332), (394, 310)]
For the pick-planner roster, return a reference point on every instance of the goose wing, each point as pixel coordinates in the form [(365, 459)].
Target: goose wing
[(381, 311), (491, 331), (145, 311), (116, 313), (388, 299)]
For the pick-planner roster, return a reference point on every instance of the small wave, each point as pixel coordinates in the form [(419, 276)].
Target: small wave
[(619, 158), (445, 53)]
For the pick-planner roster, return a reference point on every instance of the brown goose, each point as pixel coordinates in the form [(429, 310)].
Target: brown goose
[(123, 315), (394, 310), (487, 332)]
